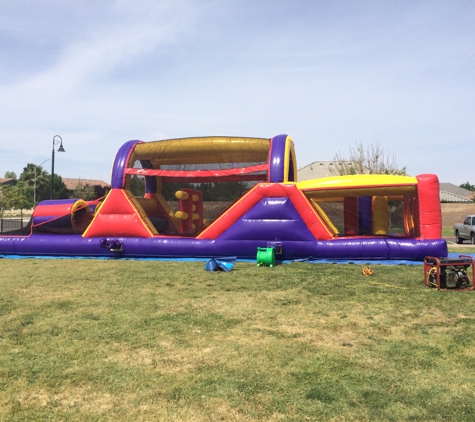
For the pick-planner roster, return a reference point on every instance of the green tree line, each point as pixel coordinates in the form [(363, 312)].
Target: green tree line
[(34, 185)]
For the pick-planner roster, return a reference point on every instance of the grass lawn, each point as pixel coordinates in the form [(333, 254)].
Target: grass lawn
[(447, 231), (168, 341)]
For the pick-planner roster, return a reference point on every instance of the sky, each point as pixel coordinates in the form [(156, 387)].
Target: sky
[(329, 73)]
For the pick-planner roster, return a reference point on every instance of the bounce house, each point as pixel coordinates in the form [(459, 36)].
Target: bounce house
[(179, 212)]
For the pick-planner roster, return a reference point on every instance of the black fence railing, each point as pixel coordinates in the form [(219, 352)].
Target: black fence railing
[(11, 224)]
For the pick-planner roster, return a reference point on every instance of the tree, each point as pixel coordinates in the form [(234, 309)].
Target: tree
[(4, 200), (10, 175), (137, 185), (35, 176), (370, 160), (468, 186), (225, 191), (60, 189), (85, 192), (19, 197), (170, 188)]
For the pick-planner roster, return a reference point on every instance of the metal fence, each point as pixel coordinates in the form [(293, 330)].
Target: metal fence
[(11, 224)]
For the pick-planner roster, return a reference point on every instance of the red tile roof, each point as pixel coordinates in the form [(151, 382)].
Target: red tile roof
[(72, 184)]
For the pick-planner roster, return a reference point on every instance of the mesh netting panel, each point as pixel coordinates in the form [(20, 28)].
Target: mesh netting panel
[(334, 213)]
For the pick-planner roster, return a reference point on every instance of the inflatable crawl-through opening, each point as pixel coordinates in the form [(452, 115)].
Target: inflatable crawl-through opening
[(62, 216)]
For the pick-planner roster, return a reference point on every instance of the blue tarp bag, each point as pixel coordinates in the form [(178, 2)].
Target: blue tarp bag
[(221, 264)]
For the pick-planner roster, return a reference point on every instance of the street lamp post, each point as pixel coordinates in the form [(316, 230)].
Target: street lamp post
[(34, 188), (60, 149)]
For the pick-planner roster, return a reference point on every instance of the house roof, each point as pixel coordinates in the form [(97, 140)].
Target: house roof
[(6, 180), (72, 184), (319, 169), (457, 190), (452, 197)]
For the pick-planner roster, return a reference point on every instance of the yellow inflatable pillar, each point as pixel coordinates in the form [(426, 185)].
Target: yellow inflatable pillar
[(408, 214), (380, 215)]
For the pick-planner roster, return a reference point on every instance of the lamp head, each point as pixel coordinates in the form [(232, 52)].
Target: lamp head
[(56, 142)]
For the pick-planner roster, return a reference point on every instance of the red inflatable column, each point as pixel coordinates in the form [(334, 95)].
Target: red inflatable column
[(430, 215), (350, 215)]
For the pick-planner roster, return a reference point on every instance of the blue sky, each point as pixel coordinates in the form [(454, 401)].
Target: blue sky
[(328, 73)]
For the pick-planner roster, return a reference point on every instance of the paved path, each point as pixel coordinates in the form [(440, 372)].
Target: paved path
[(451, 239)]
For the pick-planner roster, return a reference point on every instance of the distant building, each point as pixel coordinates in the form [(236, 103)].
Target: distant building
[(7, 181), (452, 197), (452, 193), (100, 187), (319, 169), (457, 191)]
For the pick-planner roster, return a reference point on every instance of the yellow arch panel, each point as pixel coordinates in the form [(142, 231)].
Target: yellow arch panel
[(357, 181), (290, 155), (364, 191), (212, 149)]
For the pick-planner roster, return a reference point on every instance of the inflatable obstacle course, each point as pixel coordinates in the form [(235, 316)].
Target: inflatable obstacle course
[(228, 196)]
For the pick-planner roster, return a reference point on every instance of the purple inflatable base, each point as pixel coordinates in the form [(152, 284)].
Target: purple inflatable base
[(373, 248)]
